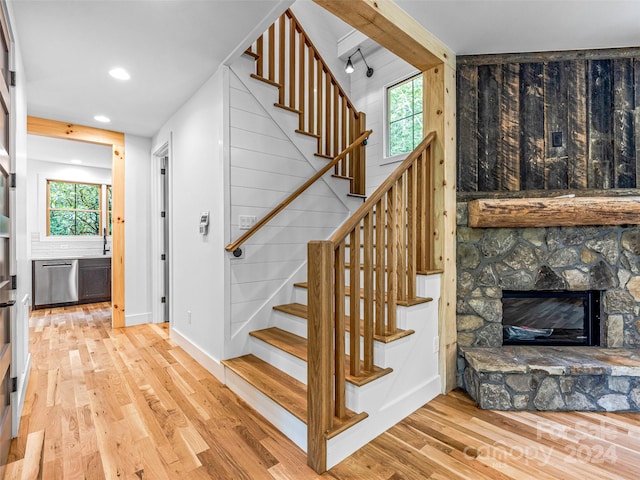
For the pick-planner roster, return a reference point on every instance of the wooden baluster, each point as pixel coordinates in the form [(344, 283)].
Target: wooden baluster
[(301, 83), (336, 119), (272, 63), (311, 62), (401, 226), (412, 199), (260, 52), (354, 155), (368, 292), (431, 230), (380, 266), (320, 105), (339, 340), (354, 302), (392, 246), (281, 57), (343, 126), (420, 214), (292, 64), (320, 398), (327, 114)]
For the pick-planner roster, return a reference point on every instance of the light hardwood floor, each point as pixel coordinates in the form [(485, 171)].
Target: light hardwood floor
[(129, 404)]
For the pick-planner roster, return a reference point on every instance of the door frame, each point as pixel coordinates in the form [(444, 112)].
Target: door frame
[(115, 140), (160, 313)]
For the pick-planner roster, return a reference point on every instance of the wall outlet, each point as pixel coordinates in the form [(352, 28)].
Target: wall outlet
[(247, 221), (436, 344), (189, 317)]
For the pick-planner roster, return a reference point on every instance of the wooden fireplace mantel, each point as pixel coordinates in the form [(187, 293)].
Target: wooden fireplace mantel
[(554, 212)]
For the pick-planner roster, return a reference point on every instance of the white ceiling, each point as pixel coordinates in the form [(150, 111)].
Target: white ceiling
[(58, 150), (507, 26), (171, 47)]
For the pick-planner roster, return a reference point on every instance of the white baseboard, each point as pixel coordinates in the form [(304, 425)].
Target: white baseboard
[(211, 364), (137, 319)]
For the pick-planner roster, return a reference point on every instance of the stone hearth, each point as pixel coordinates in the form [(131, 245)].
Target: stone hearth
[(553, 378)]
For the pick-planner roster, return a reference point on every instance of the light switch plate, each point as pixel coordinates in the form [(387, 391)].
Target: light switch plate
[(246, 221)]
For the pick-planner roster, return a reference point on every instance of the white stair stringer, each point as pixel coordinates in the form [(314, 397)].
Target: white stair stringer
[(415, 379), (267, 96)]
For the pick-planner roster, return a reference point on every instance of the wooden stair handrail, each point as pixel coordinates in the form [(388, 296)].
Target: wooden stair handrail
[(354, 220), (263, 221)]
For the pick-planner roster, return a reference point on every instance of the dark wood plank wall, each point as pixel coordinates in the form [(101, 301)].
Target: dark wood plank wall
[(510, 106)]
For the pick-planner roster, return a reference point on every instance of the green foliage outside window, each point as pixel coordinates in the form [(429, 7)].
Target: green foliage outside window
[(404, 103), (74, 208)]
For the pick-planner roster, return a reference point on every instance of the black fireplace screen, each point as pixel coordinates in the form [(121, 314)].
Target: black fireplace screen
[(551, 317)]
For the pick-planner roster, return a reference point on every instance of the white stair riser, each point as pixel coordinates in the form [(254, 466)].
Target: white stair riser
[(290, 323), (284, 421)]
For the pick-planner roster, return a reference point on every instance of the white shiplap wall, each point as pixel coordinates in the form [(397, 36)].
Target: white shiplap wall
[(369, 96), (265, 167)]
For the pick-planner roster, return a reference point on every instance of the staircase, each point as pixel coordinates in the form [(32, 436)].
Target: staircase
[(356, 350)]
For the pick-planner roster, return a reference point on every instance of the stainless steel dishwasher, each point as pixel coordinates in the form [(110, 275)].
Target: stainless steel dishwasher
[(55, 281)]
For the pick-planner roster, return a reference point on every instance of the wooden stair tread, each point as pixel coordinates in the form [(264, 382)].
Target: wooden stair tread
[(285, 341), (266, 80), (251, 54), (404, 303), (322, 155), (345, 177), (297, 346), (288, 108), (300, 310), (285, 390), (308, 134)]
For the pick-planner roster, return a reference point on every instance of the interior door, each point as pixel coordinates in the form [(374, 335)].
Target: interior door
[(7, 293)]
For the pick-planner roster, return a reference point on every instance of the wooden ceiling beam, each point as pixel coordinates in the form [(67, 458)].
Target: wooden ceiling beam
[(69, 131), (386, 23)]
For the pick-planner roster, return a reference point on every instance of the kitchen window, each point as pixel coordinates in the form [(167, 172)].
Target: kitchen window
[(76, 209), (404, 116)]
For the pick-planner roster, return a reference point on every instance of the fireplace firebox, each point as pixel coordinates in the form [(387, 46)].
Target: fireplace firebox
[(551, 317)]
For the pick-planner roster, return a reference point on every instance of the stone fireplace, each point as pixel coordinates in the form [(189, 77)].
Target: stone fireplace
[(602, 259), (490, 260)]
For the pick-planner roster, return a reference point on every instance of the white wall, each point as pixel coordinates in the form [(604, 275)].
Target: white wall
[(42, 246), (137, 230), (369, 95), (266, 167), (196, 176), (21, 359)]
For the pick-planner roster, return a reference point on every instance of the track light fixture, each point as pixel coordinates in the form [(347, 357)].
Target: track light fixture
[(349, 67)]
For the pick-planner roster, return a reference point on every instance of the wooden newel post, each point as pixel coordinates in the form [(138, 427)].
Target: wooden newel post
[(360, 167), (320, 352)]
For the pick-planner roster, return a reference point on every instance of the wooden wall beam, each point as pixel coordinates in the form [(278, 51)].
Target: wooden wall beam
[(554, 212), (80, 133), (394, 29), (440, 116)]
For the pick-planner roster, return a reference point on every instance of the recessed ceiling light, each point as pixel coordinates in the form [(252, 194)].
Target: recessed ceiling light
[(102, 118), (75, 161), (119, 73)]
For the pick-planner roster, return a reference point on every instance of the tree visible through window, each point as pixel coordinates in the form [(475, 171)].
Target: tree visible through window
[(73, 208), (109, 208), (404, 114)]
